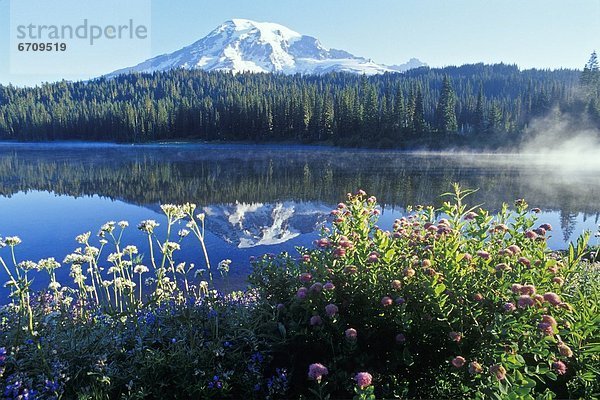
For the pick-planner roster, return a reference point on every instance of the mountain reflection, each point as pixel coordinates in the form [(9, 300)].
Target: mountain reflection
[(263, 183)]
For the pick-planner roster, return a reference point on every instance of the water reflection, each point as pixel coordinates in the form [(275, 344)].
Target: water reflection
[(261, 199)]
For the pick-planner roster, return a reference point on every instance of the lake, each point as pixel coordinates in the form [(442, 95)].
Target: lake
[(260, 199)]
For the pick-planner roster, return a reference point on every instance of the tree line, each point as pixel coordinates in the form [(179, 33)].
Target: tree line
[(489, 103)]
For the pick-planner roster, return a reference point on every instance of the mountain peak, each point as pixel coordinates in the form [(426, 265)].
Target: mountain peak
[(243, 45)]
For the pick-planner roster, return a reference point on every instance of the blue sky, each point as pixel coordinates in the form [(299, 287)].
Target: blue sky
[(529, 33)]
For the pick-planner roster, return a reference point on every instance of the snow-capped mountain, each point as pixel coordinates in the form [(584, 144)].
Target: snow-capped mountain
[(249, 225), (241, 45)]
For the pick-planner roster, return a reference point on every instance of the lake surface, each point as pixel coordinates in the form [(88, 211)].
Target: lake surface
[(259, 199)]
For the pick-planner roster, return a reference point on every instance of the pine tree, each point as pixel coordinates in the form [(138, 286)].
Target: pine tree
[(446, 108), (479, 117)]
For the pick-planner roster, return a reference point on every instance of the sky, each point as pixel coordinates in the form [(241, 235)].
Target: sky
[(532, 33)]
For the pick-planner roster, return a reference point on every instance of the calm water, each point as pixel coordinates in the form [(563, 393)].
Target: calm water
[(259, 199)]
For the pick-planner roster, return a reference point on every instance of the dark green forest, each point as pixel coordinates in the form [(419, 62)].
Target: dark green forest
[(473, 105)]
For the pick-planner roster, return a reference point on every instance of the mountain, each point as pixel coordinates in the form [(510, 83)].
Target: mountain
[(241, 45), (249, 225)]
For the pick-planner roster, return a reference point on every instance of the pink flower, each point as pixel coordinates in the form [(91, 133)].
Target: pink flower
[(373, 257), (559, 367), (548, 319), (361, 192), (331, 310), (363, 379), (483, 254), (509, 307), (552, 298), (525, 301), (546, 328), (396, 284), (514, 249), (328, 286), (386, 301), (341, 206), (350, 269), (301, 293), (426, 263), (458, 361), (558, 280), (306, 257), (351, 334), (536, 210), (409, 272), (339, 252), (525, 261), (499, 371), (455, 336), (400, 338), (305, 277), (475, 368), (315, 320), (516, 288), (528, 289), (531, 235), (317, 371), (470, 216), (478, 297), (546, 227)]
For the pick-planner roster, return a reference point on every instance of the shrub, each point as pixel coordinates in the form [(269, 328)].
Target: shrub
[(467, 305)]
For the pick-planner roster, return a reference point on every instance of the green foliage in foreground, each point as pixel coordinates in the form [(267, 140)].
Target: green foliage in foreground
[(467, 306)]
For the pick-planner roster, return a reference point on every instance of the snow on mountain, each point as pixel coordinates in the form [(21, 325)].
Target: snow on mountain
[(249, 225), (241, 45)]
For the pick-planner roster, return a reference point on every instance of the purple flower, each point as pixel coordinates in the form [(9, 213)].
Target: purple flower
[(525, 301), (552, 298), (317, 371), (328, 286), (483, 254), (559, 367), (316, 287), (386, 301), (400, 338), (531, 235), (315, 320), (564, 350), (301, 293), (351, 334), (499, 371), (455, 336), (331, 310), (363, 379), (305, 277), (475, 368), (509, 307), (546, 328)]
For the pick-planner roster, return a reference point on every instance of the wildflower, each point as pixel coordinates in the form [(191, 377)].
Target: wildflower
[(546, 227), (170, 247), (317, 371), (564, 350), (525, 301), (426, 263), (525, 261), (549, 320), (409, 272), (509, 307), (559, 367), (306, 257), (552, 298), (305, 277), (478, 297), (514, 249), (502, 267), (470, 216), (223, 266), (499, 371), (123, 224), (130, 249), (83, 238), (400, 338), (140, 269), (531, 235), (351, 334), (475, 368), (27, 265), (458, 361), (363, 379), (483, 254), (350, 269), (386, 301), (546, 328), (301, 293), (540, 231), (528, 289), (331, 310), (108, 227), (396, 284), (558, 280), (280, 307), (455, 336), (328, 286), (516, 288), (536, 210), (148, 226), (373, 257), (315, 320), (339, 252), (53, 285), (316, 287), (12, 241)]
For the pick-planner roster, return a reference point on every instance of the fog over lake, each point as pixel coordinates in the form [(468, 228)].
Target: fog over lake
[(260, 199)]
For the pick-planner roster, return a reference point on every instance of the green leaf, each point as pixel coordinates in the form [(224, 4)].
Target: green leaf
[(439, 289)]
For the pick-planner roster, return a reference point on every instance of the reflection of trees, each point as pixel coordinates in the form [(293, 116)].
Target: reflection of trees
[(177, 174), (568, 220)]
